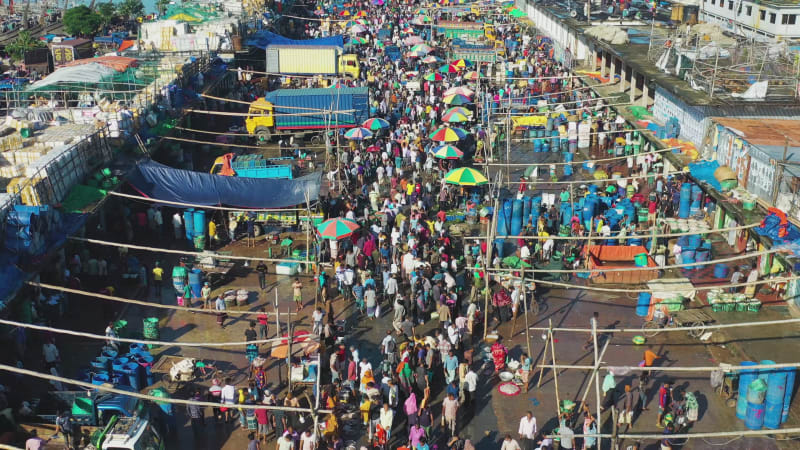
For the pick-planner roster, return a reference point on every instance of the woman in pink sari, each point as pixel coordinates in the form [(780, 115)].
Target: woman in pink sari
[(499, 353)]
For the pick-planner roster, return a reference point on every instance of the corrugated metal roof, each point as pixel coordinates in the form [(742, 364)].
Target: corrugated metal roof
[(764, 132)]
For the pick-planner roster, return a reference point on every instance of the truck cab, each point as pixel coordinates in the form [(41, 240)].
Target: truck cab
[(348, 65), (129, 433), (252, 166), (260, 120)]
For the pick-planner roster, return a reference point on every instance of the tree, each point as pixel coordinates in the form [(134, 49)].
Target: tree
[(130, 9), (107, 12), (22, 44), (162, 5), (82, 21)]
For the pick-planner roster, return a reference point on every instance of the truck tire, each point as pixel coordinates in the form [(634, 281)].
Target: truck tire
[(263, 135), (316, 139), (257, 231)]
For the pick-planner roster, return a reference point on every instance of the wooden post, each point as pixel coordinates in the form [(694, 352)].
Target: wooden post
[(544, 354), (596, 377), (527, 328), (308, 237), (487, 265), (555, 370), (289, 349)]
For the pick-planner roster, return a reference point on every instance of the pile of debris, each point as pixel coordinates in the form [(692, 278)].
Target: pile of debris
[(610, 34)]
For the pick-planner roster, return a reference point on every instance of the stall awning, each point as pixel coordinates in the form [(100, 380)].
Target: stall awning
[(175, 185)]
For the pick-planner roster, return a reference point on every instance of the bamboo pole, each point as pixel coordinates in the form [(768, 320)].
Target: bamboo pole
[(544, 354), (555, 372), (596, 375), (487, 264)]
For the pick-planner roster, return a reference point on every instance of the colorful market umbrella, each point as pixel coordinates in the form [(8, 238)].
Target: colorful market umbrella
[(434, 77), (456, 116), (447, 152), (357, 28), (377, 2), (472, 75), (358, 40), (422, 48), (361, 13), (337, 228), (463, 90), (358, 134), (448, 68), (456, 99), (375, 124), (413, 40), (461, 63), (431, 59), (465, 176), (345, 13), (373, 149), (459, 110), (447, 134)]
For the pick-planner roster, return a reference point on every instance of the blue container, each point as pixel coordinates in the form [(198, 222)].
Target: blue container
[(188, 223), (683, 241), (568, 170), (149, 377), (100, 378), (643, 304), (787, 399), (516, 217), (746, 376), (566, 213), (508, 207), (199, 227), (683, 211), (697, 194), (776, 392), (695, 241), (499, 244), (537, 145), (754, 416), (687, 257), (135, 349), (685, 201), (720, 270), (546, 146), (196, 282), (764, 373), (526, 210), (686, 191), (119, 363), (702, 255), (568, 157), (131, 373)]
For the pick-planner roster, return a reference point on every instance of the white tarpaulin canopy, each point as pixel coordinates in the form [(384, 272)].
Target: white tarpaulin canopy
[(86, 73), (668, 288)]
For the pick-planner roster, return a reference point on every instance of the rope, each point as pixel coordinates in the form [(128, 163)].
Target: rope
[(671, 329), (678, 369), (221, 144), (181, 252), (53, 287), (589, 181), (634, 236), (697, 288), (631, 269), (192, 205), (113, 390), (148, 341), (236, 114)]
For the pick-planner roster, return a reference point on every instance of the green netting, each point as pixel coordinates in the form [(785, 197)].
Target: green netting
[(639, 112), (82, 196), (188, 13)]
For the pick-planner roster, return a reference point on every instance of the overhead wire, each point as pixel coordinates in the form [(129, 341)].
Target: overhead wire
[(719, 326), (109, 388), (193, 205), (149, 341)]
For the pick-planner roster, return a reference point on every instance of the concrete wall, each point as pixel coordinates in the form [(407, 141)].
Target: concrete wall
[(693, 122), (550, 25)]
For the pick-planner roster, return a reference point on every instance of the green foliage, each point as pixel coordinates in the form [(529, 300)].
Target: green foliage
[(162, 5), (130, 9), (107, 12), (22, 44), (82, 21)]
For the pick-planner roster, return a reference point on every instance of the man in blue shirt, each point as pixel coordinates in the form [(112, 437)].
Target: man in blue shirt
[(450, 364)]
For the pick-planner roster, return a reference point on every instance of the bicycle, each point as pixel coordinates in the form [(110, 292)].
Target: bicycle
[(690, 317)]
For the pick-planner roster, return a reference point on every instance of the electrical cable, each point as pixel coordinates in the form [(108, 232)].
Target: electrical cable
[(298, 339), (107, 388)]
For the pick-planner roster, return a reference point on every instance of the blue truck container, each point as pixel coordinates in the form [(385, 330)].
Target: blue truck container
[(353, 104)]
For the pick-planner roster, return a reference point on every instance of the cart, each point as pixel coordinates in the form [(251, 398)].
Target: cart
[(175, 370), (683, 318)]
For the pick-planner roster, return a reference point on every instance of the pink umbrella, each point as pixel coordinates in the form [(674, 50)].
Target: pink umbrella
[(413, 40)]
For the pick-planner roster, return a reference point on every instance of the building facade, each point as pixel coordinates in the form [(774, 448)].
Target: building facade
[(771, 19)]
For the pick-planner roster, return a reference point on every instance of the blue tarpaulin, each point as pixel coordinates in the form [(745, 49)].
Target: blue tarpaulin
[(263, 38), (704, 171), (175, 185)]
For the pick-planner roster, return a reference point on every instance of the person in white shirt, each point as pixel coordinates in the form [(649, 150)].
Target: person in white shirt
[(386, 420), (510, 444), (308, 441), (471, 385), (51, 355), (527, 430), (177, 223), (228, 397)]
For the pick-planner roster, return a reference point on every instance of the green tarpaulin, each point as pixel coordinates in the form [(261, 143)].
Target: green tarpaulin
[(82, 196)]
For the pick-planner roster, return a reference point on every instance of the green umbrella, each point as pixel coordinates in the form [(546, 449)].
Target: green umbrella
[(337, 228), (515, 263)]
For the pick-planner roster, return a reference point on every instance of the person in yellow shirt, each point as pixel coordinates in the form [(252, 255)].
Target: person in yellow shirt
[(158, 280), (212, 231), (409, 189)]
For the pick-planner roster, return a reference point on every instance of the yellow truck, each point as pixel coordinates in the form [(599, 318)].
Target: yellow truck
[(289, 59)]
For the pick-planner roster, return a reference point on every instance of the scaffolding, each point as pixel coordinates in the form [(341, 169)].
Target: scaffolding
[(727, 67)]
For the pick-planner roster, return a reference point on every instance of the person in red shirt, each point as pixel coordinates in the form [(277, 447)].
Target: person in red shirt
[(652, 205)]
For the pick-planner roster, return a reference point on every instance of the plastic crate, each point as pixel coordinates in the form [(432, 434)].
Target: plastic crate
[(717, 307)]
